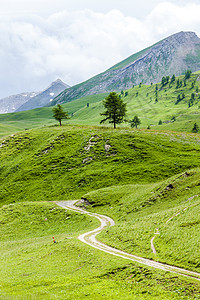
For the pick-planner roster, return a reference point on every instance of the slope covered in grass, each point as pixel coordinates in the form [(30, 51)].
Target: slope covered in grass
[(33, 267), (36, 118), (140, 178), (168, 210), (58, 163), (151, 104), (155, 103)]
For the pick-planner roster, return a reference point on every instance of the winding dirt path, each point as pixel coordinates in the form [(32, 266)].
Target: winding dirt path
[(90, 239)]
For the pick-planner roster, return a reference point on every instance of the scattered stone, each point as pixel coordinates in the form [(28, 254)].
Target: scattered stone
[(107, 147), (91, 142), (83, 203), (191, 198), (87, 159)]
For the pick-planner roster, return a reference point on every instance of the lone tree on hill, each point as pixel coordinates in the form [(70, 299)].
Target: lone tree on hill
[(135, 122), (59, 114), (115, 109)]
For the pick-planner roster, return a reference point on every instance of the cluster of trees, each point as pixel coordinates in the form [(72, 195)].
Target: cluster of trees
[(187, 74), (179, 98), (166, 79), (115, 108), (179, 84), (115, 111)]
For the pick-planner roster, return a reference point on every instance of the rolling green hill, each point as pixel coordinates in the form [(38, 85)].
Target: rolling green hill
[(142, 179), (66, 162), (151, 103), (168, 210)]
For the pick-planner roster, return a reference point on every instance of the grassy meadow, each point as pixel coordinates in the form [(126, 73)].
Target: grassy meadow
[(147, 180), (33, 267), (171, 206)]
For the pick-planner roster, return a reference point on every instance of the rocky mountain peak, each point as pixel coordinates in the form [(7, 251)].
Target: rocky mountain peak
[(183, 36), (180, 39), (58, 82)]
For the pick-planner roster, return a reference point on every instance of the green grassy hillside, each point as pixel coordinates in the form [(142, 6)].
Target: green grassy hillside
[(33, 267), (140, 178), (170, 207), (152, 104), (66, 162)]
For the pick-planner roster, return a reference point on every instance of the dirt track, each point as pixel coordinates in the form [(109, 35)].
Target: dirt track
[(90, 239)]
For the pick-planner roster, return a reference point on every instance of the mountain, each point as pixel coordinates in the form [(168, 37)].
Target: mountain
[(43, 98), (12, 103), (173, 55), (26, 101)]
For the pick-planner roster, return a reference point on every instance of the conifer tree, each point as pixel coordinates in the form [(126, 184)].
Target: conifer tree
[(195, 128), (135, 122), (59, 114), (115, 111)]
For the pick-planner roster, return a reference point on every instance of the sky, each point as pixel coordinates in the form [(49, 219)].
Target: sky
[(42, 40)]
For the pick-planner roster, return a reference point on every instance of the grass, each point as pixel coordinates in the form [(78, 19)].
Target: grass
[(141, 178), (33, 267), (172, 206), (140, 101), (67, 162)]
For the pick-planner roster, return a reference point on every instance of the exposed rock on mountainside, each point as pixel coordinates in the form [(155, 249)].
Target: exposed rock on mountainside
[(44, 97), (173, 55)]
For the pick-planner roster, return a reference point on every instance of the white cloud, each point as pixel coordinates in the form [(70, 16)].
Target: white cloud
[(167, 18), (74, 46)]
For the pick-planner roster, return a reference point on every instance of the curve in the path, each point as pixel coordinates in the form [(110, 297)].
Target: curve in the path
[(90, 239)]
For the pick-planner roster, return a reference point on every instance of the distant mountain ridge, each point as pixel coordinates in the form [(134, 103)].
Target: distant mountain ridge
[(173, 55), (44, 97), (26, 101), (12, 103)]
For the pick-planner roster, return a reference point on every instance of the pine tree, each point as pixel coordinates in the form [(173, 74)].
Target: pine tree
[(135, 122), (173, 79), (195, 128), (187, 74), (115, 111), (59, 114)]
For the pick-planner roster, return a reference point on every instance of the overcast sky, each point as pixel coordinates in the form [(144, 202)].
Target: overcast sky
[(42, 40)]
